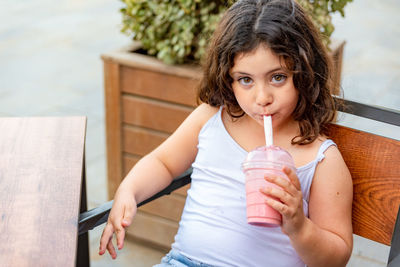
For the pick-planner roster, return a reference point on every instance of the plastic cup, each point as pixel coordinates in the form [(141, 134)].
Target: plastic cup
[(261, 162)]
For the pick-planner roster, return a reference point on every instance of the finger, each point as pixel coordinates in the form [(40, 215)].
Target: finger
[(280, 181), (291, 174), (277, 193), (111, 250), (105, 238), (116, 222), (120, 233), (277, 205), (283, 183)]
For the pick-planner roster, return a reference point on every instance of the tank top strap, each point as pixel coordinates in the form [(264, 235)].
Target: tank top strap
[(324, 146), (306, 172), (220, 111)]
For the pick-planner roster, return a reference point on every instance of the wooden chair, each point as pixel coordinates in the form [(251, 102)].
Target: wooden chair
[(374, 163)]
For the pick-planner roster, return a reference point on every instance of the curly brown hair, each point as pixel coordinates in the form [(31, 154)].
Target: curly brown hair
[(285, 28)]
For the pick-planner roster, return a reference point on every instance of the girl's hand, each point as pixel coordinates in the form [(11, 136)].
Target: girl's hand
[(290, 205), (121, 215)]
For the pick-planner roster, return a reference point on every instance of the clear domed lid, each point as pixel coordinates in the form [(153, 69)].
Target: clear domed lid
[(268, 156)]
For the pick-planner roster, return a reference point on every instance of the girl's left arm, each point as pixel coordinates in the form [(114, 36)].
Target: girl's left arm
[(326, 237)]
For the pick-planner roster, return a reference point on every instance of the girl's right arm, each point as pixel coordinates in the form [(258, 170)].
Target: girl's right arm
[(153, 173)]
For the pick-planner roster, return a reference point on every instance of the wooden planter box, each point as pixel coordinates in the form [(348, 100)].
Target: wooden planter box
[(145, 101)]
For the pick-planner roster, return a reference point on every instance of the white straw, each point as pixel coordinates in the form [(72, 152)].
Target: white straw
[(268, 131)]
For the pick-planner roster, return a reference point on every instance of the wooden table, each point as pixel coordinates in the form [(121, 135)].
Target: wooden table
[(42, 171)]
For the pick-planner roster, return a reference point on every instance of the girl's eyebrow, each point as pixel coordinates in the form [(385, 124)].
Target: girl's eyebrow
[(270, 71)]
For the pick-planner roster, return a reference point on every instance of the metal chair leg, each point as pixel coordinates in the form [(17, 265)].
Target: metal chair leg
[(83, 256), (394, 254)]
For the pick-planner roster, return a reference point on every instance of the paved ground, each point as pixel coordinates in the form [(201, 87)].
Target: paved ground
[(50, 66)]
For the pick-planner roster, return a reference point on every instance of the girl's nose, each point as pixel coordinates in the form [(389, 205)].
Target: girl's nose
[(263, 97)]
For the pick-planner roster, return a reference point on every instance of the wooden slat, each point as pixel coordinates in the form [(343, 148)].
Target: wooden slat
[(159, 232), (168, 207), (113, 125), (41, 162), (153, 114), (157, 85), (139, 141), (374, 165)]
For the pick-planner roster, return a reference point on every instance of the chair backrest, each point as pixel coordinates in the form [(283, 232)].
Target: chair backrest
[(374, 163)]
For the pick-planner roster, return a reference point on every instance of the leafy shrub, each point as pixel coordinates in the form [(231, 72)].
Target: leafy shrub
[(177, 31)]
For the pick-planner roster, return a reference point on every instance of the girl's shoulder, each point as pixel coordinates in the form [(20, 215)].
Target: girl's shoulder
[(304, 154), (333, 160), (207, 110), (326, 146), (330, 148), (202, 114)]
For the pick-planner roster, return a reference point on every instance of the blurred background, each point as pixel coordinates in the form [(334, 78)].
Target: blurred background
[(50, 66)]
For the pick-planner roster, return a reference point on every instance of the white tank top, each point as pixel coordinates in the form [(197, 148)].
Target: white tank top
[(213, 227)]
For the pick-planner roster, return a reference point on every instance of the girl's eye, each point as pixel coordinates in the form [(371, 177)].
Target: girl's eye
[(279, 78), (245, 81)]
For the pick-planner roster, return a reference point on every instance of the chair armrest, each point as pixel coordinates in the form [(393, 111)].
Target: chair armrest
[(394, 254), (99, 215)]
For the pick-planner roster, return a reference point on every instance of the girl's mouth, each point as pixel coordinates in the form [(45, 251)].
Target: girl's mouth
[(260, 117)]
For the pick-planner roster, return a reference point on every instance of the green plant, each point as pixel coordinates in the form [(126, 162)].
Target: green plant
[(320, 12), (176, 31)]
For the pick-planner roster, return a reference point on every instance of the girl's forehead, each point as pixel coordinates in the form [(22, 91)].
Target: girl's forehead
[(253, 51), (262, 55)]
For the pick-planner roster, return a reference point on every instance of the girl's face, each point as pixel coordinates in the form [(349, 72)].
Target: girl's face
[(263, 86)]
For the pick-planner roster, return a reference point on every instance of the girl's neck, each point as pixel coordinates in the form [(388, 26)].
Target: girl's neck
[(249, 134), (282, 135)]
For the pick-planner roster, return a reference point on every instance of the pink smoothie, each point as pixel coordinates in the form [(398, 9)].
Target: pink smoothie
[(260, 162)]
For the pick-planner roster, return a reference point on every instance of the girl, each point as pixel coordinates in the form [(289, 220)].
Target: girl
[(265, 58)]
